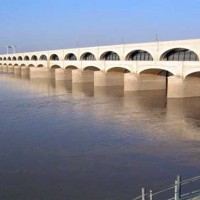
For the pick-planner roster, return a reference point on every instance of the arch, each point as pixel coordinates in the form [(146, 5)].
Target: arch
[(19, 58), (43, 57), (88, 56), (70, 56), (31, 65), (119, 69), (14, 58), (4, 58), (72, 67), (193, 74), (16, 65), (26, 58), (9, 58), (139, 55), (40, 65), (54, 57), (22, 65), (109, 55), (179, 54), (34, 57), (10, 64), (0, 58), (91, 68), (55, 67), (157, 71)]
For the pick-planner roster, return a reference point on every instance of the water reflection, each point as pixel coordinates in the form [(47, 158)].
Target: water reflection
[(72, 141)]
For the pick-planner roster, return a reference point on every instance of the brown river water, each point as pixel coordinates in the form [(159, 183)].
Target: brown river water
[(60, 141)]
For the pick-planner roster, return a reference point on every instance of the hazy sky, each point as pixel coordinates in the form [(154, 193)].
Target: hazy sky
[(52, 24)]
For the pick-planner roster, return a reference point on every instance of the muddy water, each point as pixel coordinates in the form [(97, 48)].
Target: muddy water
[(76, 142)]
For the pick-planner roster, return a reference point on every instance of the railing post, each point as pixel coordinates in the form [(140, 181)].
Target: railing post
[(143, 194), (177, 194), (151, 195)]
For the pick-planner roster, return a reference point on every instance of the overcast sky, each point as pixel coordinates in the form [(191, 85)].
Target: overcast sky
[(52, 24)]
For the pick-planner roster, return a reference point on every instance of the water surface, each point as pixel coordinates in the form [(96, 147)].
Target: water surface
[(60, 141)]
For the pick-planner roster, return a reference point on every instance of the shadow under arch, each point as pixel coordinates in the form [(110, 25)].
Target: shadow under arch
[(109, 55), (55, 67), (179, 54), (54, 57), (70, 56), (20, 58), (43, 57), (34, 57), (71, 67), (157, 71), (26, 58), (193, 74), (88, 56), (91, 68), (119, 70), (23, 65), (139, 55)]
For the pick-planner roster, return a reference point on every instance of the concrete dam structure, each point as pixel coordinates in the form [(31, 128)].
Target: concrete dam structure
[(173, 66)]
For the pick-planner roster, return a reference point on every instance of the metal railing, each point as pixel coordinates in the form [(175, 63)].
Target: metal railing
[(177, 187)]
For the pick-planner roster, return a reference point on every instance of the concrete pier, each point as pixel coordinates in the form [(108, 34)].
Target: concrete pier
[(175, 87), (1, 68), (152, 82), (63, 74), (108, 79), (131, 82), (79, 76), (24, 71), (41, 73), (5, 69), (17, 70), (10, 69)]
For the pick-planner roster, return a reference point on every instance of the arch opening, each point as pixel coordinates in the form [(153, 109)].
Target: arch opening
[(43, 57), (110, 55), (70, 56), (26, 58), (71, 67), (14, 58), (20, 58), (34, 57), (39, 66), (88, 56), (9, 58), (139, 55), (156, 71), (55, 67), (91, 68), (4, 58), (180, 54), (54, 57), (194, 75), (119, 70)]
